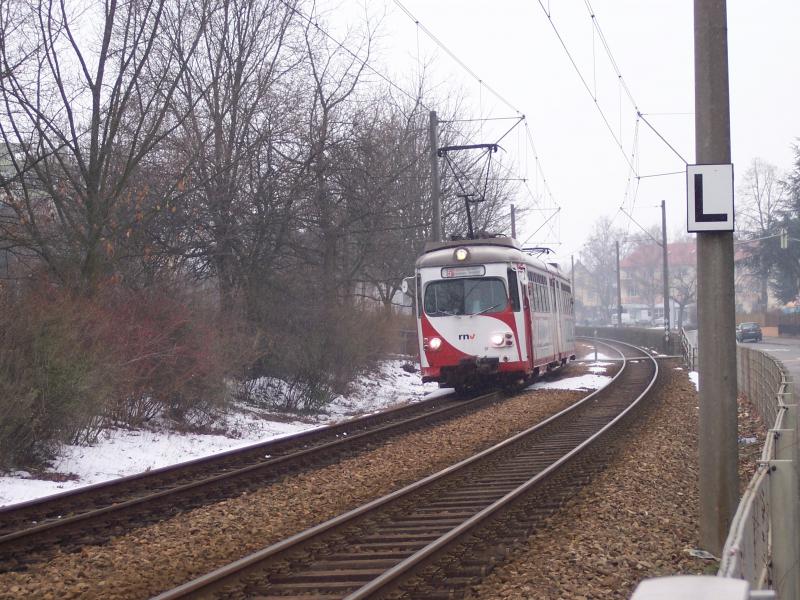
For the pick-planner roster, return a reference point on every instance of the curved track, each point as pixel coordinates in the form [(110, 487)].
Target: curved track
[(440, 533)]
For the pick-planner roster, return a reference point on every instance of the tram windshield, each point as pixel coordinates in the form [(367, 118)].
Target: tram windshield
[(465, 296)]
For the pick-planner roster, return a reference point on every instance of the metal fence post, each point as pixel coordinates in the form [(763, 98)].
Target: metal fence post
[(784, 526)]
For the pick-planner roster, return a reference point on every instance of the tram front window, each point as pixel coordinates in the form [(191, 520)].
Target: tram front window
[(466, 296)]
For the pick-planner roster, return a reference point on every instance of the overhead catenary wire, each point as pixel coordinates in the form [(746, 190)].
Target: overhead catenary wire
[(539, 169), (482, 84), (586, 84), (452, 55), (663, 139), (635, 222), (662, 174), (596, 26), (341, 46), (515, 118), (555, 212), (621, 79)]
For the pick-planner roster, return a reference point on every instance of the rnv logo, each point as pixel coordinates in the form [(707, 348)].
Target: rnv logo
[(466, 336)]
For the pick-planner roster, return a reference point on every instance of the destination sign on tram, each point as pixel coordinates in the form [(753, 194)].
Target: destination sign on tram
[(478, 271)]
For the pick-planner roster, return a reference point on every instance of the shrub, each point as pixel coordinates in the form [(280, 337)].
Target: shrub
[(53, 375), (315, 347), (171, 354), (71, 363)]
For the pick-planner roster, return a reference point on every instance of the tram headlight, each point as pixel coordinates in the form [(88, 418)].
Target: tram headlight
[(461, 254), (499, 340), (433, 343)]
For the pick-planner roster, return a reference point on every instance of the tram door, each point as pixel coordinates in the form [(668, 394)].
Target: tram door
[(558, 337)]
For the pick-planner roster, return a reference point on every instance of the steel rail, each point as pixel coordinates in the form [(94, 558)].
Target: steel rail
[(306, 436), (390, 577), (226, 575), (341, 443)]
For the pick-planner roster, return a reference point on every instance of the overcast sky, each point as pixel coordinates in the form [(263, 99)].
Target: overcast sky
[(513, 48)]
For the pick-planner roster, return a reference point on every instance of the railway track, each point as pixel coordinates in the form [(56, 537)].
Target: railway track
[(434, 537), (29, 532)]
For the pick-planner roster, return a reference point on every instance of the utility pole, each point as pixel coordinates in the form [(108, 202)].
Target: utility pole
[(665, 256), (433, 135), (513, 221), (572, 274), (619, 291), (715, 291)]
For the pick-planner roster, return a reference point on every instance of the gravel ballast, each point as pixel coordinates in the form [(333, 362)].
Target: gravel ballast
[(150, 560), (635, 520)]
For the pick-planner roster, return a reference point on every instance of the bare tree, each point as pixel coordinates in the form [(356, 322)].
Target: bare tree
[(644, 268), (598, 257), (335, 76), (237, 91), (81, 115), (761, 205)]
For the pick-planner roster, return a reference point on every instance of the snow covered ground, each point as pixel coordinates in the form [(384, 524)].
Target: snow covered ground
[(590, 381), (695, 377), (122, 452)]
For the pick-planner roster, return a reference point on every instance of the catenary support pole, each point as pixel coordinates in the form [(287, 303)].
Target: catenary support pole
[(572, 275), (715, 289), (433, 135), (619, 291), (665, 276), (513, 221)]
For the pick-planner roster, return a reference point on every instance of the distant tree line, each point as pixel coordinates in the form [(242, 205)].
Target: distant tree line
[(769, 209)]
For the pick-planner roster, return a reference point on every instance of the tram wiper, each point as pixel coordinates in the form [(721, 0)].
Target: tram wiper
[(487, 309)]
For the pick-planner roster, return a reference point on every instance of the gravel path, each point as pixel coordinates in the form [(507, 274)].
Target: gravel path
[(636, 520), (152, 559)]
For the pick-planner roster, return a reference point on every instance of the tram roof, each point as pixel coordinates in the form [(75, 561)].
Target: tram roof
[(481, 251)]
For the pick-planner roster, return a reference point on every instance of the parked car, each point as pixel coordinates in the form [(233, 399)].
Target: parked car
[(748, 331)]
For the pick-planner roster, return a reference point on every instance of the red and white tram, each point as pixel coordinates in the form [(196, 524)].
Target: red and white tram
[(488, 312)]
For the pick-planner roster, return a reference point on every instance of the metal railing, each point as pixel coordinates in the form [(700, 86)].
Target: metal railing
[(639, 336), (688, 350), (763, 546)]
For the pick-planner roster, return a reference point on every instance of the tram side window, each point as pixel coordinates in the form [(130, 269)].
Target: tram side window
[(540, 296)]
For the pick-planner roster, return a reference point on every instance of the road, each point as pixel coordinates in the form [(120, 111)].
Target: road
[(786, 350)]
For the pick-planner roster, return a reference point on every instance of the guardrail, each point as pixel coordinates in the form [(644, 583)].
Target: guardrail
[(688, 350), (638, 336), (763, 546)]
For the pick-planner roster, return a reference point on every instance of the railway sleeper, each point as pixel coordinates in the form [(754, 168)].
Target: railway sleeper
[(353, 576), (401, 537)]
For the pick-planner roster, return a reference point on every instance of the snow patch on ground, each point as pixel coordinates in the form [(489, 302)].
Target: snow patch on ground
[(390, 385), (121, 452), (695, 377), (600, 356), (582, 382), (599, 367)]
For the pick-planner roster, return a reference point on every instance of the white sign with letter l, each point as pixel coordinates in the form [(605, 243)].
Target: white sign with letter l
[(709, 193)]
